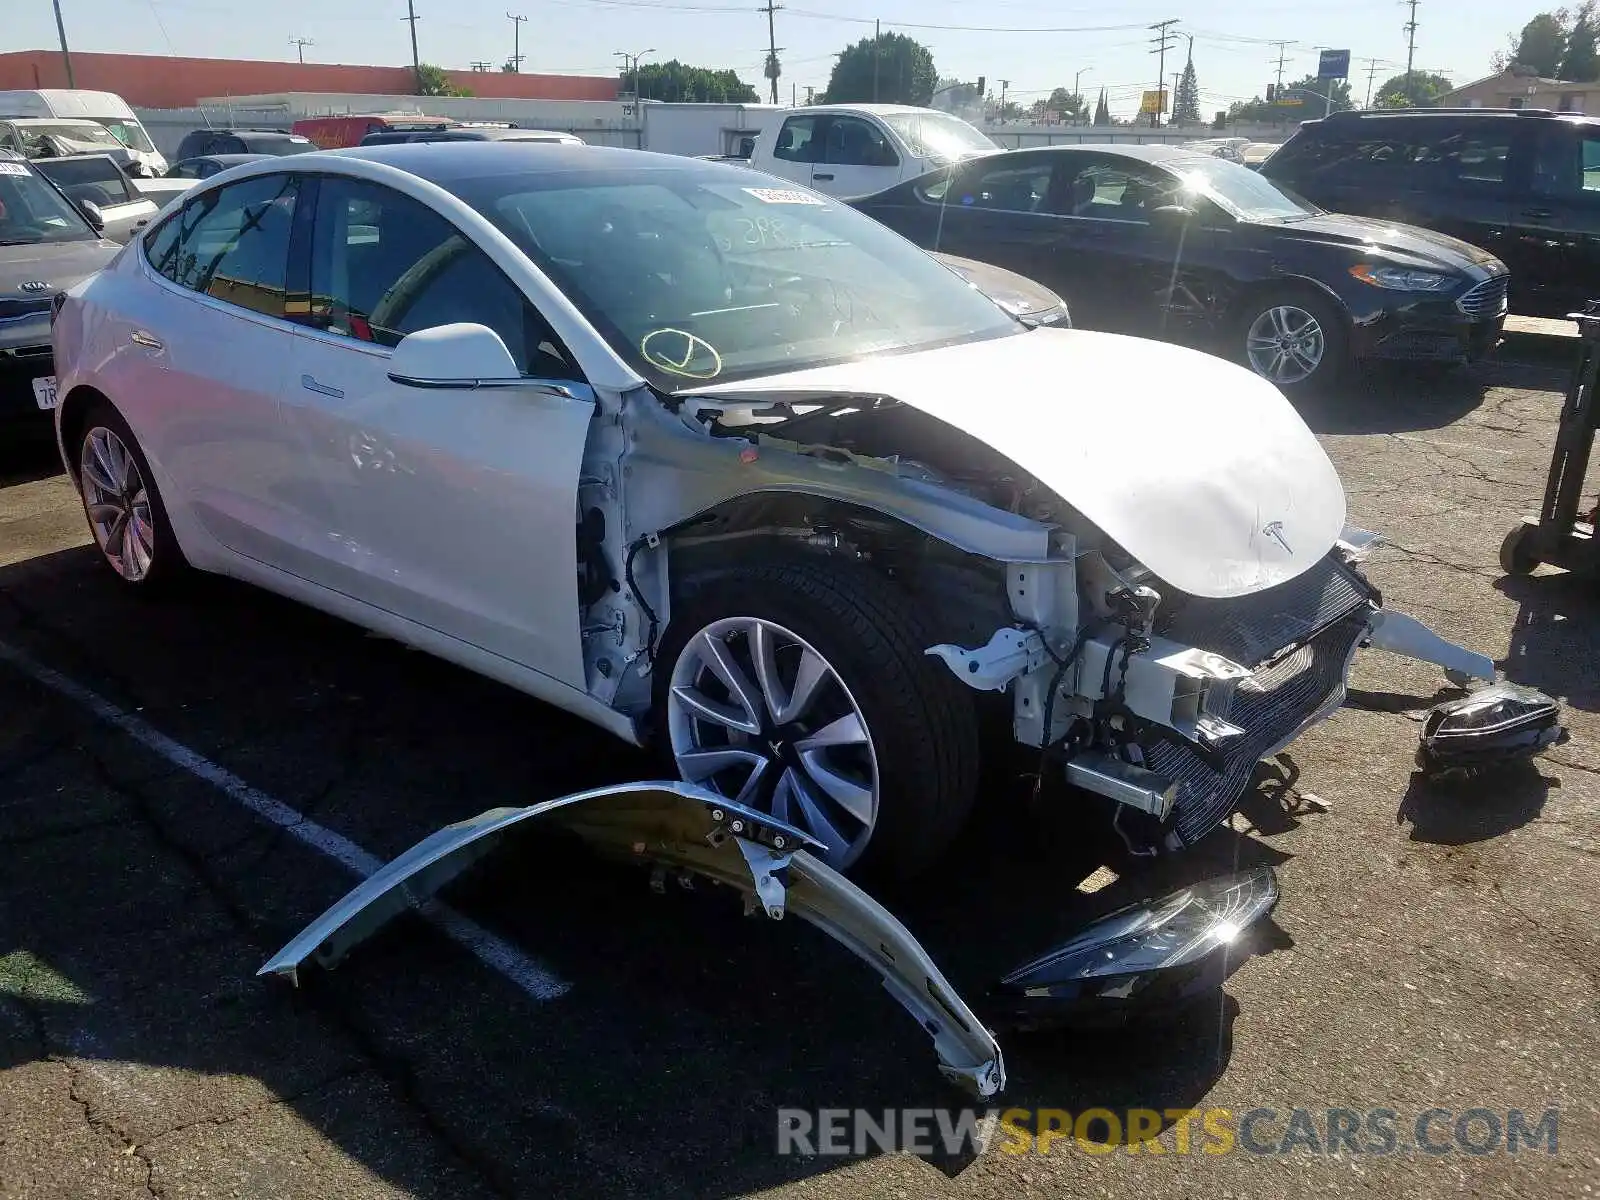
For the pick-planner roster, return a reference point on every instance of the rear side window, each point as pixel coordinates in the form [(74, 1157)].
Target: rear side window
[(853, 142), (96, 180), (797, 140), (1398, 155), (1567, 164), (231, 244), (383, 266), (1008, 186)]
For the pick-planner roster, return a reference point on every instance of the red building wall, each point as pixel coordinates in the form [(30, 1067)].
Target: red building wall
[(154, 81)]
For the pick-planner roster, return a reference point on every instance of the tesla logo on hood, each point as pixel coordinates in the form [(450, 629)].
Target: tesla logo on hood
[(34, 285), (1275, 532)]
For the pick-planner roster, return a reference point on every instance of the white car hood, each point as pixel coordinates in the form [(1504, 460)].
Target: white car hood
[(1197, 467)]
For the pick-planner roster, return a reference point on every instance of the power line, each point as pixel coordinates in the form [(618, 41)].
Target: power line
[(516, 39)]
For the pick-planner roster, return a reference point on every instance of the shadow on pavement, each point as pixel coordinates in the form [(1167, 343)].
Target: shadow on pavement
[(1397, 398), (1460, 813), (1555, 642), (28, 452), (155, 898)]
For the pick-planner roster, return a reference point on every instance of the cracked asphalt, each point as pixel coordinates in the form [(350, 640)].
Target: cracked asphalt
[(1434, 947)]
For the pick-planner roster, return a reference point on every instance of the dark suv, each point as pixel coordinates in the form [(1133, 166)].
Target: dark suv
[(241, 141), (1523, 184)]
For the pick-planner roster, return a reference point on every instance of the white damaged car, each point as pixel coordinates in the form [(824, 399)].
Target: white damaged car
[(721, 464)]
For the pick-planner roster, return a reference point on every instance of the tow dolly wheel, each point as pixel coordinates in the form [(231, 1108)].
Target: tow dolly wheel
[(1517, 555)]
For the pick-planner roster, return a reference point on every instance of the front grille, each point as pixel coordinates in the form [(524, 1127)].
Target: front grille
[(1252, 629), (1287, 694), (1488, 299), (12, 307)]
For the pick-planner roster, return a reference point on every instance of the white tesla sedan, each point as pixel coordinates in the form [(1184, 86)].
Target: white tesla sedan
[(721, 463)]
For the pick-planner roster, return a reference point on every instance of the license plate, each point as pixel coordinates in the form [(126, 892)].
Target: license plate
[(44, 391)]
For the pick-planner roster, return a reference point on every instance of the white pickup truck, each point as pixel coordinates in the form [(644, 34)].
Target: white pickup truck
[(851, 150)]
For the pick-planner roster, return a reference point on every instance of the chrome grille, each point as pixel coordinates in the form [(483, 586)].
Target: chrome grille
[(1297, 689), (1487, 299)]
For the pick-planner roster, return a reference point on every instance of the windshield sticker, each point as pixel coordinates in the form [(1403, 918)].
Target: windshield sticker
[(12, 168), (783, 196), (681, 353)]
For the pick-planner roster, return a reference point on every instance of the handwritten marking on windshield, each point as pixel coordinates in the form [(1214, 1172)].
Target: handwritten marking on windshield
[(662, 352)]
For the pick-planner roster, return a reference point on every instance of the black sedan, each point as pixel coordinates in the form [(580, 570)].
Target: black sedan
[(1160, 240), (204, 166)]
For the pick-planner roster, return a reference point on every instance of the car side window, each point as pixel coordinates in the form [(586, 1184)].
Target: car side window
[(96, 180), (1404, 155), (854, 142), (797, 141), (1567, 165), (1122, 191), (384, 265), (1005, 187), (231, 244)]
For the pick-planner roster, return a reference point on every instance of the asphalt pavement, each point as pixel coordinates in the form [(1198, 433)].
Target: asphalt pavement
[(1435, 948)]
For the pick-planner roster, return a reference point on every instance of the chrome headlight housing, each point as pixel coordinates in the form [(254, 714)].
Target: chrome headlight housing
[(1404, 279)]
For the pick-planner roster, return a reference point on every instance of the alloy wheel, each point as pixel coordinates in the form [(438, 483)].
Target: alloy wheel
[(1286, 344), (118, 503), (757, 714)]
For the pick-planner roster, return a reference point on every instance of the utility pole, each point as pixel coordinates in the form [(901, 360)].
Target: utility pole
[(1372, 74), (300, 45), (416, 63), (1283, 51), (773, 69), (516, 39), (1411, 43), (481, 66), (1162, 42), (66, 55)]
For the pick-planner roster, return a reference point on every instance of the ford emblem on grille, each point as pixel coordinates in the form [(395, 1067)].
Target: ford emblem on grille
[(35, 285)]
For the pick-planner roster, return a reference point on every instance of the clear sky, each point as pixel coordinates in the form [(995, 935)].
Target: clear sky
[(1108, 40)]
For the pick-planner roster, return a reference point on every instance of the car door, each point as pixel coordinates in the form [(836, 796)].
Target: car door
[(208, 344), (454, 508), (96, 179), (1554, 247), (798, 146), (999, 212), (858, 157)]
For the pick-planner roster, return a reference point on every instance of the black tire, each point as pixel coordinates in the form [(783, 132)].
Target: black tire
[(1335, 363), (1516, 552), (167, 565), (922, 720)]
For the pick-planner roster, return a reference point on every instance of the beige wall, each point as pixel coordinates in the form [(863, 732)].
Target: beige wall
[(1510, 92)]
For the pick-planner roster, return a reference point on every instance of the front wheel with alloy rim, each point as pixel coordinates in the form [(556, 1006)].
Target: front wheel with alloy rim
[(802, 690), (1296, 340), (120, 499)]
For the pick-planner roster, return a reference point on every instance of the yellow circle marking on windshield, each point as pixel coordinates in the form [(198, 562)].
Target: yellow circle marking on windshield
[(693, 347)]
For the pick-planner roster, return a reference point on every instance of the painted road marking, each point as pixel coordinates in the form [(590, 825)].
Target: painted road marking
[(488, 948)]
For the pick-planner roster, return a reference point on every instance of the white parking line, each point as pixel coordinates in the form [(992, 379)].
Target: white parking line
[(492, 950)]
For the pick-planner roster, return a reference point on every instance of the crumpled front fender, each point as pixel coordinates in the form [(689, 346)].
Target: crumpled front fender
[(683, 827)]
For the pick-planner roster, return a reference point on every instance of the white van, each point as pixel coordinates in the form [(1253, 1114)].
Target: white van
[(108, 108), (852, 150)]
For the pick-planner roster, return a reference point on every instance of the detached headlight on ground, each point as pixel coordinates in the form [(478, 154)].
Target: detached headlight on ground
[(1402, 279), (1494, 725), (1156, 952)]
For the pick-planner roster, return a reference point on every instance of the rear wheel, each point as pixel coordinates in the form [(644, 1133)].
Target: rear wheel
[(1517, 551), (124, 508), (801, 689), (1294, 339)]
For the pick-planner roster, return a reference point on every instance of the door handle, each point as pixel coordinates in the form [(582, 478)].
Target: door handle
[(1539, 214), (311, 385), (140, 338), (141, 224), (818, 175)]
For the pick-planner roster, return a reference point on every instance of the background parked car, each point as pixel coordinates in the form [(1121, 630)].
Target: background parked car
[(102, 191), (242, 141), (1159, 240), (46, 246), (1520, 183), (51, 137), (205, 166), (333, 133), (104, 108)]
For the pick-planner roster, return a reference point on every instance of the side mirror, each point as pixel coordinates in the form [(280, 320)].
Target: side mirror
[(462, 355), (1171, 217), (92, 214)]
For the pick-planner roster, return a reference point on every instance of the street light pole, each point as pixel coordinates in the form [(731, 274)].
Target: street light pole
[(66, 55)]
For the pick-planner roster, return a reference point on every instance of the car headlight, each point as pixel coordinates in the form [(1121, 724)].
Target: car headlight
[(1402, 279)]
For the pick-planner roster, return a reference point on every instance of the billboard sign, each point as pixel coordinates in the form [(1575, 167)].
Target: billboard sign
[(1334, 64), (1154, 102)]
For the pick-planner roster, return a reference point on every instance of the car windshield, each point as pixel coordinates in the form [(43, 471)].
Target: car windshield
[(939, 135), (31, 211), (128, 133), (698, 276), (1242, 193), (76, 138)]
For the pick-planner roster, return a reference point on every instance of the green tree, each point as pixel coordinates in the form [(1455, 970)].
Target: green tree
[(1186, 104), (1426, 88), (435, 81), (508, 68), (902, 68), (1543, 43), (1581, 62), (1066, 102), (1102, 112), (679, 82)]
